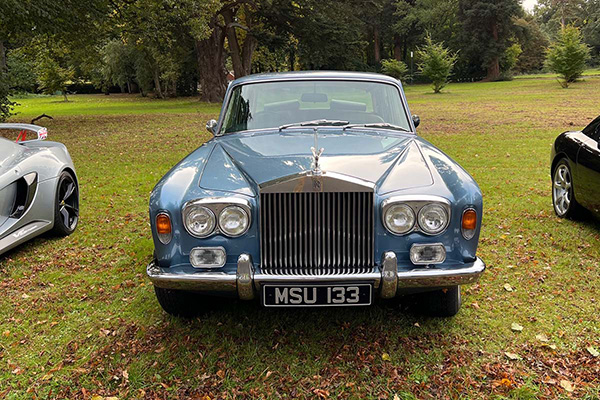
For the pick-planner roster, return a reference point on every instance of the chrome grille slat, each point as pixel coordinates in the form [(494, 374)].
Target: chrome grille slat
[(316, 233)]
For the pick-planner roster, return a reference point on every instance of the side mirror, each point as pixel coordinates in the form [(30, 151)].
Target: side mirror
[(416, 120), (211, 126)]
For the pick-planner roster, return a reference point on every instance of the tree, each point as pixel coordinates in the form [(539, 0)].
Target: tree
[(394, 68), (568, 55), (53, 77), (436, 63), (6, 105), (488, 27), (509, 61)]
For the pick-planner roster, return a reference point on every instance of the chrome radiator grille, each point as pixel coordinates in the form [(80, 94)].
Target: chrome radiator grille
[(316, 233)]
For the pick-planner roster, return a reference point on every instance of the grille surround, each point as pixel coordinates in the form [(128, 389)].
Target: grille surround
[(317, 233)]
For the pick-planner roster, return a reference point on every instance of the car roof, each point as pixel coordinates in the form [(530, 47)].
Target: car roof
[(308, 75)]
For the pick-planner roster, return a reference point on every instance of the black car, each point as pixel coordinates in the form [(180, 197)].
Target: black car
[(575, 171)]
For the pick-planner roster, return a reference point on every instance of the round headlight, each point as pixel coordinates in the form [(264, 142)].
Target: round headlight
[(433, 218), (199, 221), (399, 218), (233, 221)]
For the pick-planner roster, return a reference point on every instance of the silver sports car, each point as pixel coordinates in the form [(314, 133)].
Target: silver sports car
[(38, 187)]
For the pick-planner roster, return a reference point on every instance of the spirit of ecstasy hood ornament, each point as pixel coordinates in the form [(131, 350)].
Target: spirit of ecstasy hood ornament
[(316, 168)]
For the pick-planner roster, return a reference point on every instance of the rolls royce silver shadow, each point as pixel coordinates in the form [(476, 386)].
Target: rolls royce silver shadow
[(315, 191)]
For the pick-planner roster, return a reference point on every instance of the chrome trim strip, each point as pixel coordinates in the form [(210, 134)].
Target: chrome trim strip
[(208, 282), (305, 182), (416, 202), (245, 276), (219, 282), (389, 275), (435, 277), (373, 277)]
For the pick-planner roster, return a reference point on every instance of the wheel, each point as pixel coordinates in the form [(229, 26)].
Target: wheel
[(440, 303), (180, 303), (565, 205), (66, 208)]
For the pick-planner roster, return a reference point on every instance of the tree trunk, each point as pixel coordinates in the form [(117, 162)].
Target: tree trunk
[(157, 87), (241, 57), (3, 66), (397, 48), (493, 69), (211, 66), (376, 45)]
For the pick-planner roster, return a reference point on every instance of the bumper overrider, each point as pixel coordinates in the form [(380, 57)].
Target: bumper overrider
[(246, 283)]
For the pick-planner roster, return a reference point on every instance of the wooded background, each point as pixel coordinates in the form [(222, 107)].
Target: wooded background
[(188, 47)]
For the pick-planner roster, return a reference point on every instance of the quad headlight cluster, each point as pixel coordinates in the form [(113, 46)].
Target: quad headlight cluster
[(205, 217), (402, 215)]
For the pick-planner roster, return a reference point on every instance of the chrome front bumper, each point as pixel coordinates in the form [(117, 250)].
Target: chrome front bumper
[(246, 283)]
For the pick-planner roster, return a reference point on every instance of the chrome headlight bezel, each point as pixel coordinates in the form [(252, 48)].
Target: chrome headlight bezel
[(217, 205), (417, 203), (410, 213), (433, 207), (243, 213), (191, 207)]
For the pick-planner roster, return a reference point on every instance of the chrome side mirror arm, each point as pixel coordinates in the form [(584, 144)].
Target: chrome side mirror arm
[(211, 126)]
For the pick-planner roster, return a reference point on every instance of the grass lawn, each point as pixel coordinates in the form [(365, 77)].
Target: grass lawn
[(79, 319)]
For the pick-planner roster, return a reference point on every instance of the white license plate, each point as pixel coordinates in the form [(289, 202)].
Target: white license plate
[(317, 295)]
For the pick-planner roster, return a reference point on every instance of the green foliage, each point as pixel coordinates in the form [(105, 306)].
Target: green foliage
[(394, 68), (534, 43), (21, 71), (509, 61), (488, 27), (568, 55), (436, 63), (52, 77), (6, 105)]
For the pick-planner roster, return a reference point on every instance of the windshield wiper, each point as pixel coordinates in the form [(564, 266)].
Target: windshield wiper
[(316, 122), (377, 125)]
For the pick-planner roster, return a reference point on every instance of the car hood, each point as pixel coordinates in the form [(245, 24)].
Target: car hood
[(390, 161)]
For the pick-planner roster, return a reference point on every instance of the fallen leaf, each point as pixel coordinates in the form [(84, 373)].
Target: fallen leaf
[(508, 288), (417, 325), (512, 356), (593, 351), (25, 296), (385, 357), (541, 337), (567, 385), (516, 327), (6, 333)]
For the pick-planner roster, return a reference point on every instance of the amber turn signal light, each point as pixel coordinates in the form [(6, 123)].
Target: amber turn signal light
[(163, 224), (469, 223), (469, 220)]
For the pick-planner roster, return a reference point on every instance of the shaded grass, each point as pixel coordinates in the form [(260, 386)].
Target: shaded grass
[(79, 317)]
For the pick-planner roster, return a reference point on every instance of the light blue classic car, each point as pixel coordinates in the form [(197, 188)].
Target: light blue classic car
[(315, 191)]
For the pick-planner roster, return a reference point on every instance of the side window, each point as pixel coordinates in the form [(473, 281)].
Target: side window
[(593, 129)]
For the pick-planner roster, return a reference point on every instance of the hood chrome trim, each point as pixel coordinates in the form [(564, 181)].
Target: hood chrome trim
[(309, 182)]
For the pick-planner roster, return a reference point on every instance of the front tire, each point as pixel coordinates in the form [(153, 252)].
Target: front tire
[(563, 198), (180, 303), (66, 205), (440, 303)]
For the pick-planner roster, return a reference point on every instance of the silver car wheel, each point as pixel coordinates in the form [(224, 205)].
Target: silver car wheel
[(69, 203), (562, 189)]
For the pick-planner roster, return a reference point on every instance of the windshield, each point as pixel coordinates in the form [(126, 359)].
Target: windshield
[(273, 104)]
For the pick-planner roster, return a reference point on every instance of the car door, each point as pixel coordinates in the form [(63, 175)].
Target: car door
[(587, 186)]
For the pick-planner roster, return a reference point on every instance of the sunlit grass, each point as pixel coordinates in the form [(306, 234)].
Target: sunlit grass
[(79, 318)]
